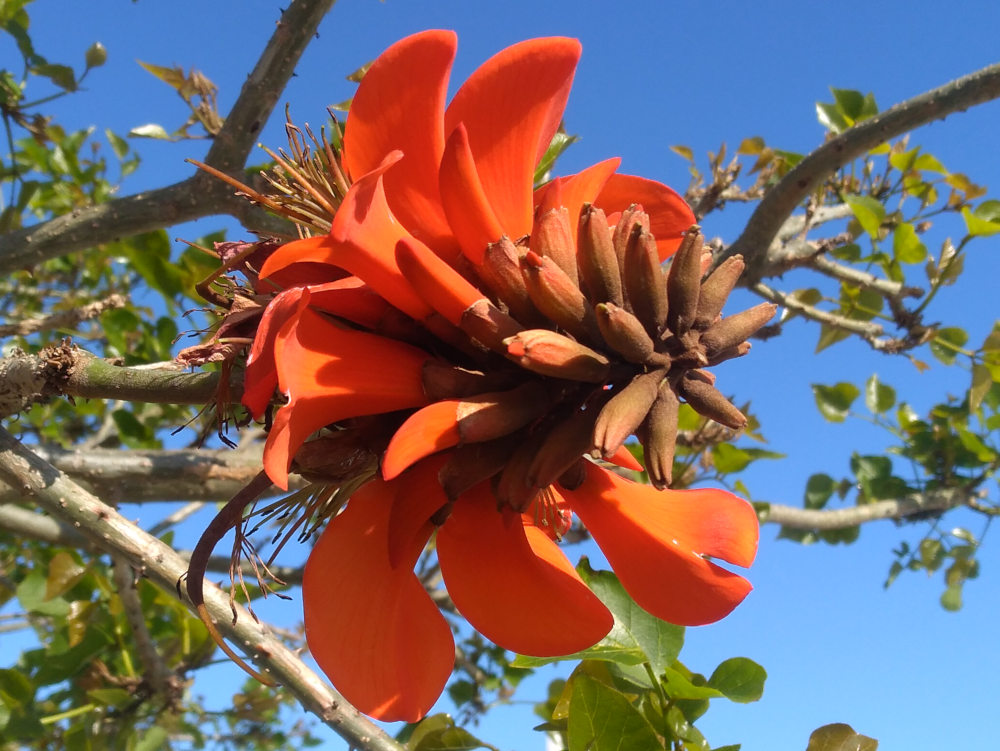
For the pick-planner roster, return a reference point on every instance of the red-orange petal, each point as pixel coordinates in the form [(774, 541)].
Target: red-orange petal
[(418, 496), (437, 283), (513, 584), (349, 298), (261, 376), (330, 373), (573, 191), (466, 205), (625, 459), (655, 541), (371, 627), (400, 105), (309, 250), (428, 430), (511, 107), (363, 241), (669, 214)]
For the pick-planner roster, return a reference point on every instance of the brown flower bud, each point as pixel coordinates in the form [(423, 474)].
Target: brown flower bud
[(501, 272), (716, 290), (486, 323), (552, 237), (512, 487), (444, 381), (596, 258), (684, 283), (630, 217), (624, 333), (659, 437), (622, 415), (706, 400), (564, 444), (558, 297), (488, 416), (734, 329), (550, 353), (469, 465), (644, 283), (729, 353)]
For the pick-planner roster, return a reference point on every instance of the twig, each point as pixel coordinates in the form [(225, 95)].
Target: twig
[(196, 196), (107, 529), (779, 203), (870, 332), (884, 287), (64, 319), (160, 679), (897, 509)]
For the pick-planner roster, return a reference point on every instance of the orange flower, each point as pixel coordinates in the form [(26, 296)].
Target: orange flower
[(489, 337)]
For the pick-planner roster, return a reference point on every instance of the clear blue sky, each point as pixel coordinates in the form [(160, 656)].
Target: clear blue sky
[(837, 647)]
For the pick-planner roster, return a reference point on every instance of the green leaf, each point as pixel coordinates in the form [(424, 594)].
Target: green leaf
[(61, 75), (869, 212), (31, 594), (834, 402), (603, 719), (982, 380), (559, 143), (906, 246), (951, 598), (154, 739), (659, 641), (683, 151), (988, 211), (947, 342), (15, 688), (64, 572), (977, 226), (740, 679), (879, 398), (728, 458), (840, 737), (439, 733), (819, 489), (678, 684)]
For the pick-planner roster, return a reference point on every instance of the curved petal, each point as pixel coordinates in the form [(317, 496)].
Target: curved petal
[(418, 495), (310, 252), (511, 107), (669, 214), (261, 377), (330, 373), (655, 541), (465, 203), (428, 430), (400, 105), (437, 283), (573, 191), (512, 582), (351, 299), (371, 627), (362, 240)]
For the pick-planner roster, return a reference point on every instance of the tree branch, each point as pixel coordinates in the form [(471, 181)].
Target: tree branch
[(108, 530), (896, 509), (779, 203), (199, 195), (68, 370)]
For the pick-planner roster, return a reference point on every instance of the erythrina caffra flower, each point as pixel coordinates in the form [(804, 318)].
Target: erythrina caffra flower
[(488, 343)]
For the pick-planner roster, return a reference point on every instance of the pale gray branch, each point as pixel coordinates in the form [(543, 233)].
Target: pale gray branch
[(896, 509), (105, 528)]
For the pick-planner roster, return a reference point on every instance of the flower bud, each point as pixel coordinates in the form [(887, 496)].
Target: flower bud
[(644, 283), (659, 437), (622, 415), (471, 464), (486, 323), (501, 272), (596, 258), (552, 237), (624, 333), (706, 400), (558, 297), (563, 446), (716, 290), (734, 329), (630, 217), (549, 353), (684, 283)]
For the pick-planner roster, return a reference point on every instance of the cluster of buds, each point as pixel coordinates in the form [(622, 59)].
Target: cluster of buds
[(607, 344)]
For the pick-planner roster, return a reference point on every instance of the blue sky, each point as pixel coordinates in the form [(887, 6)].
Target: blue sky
[(837, 647)]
